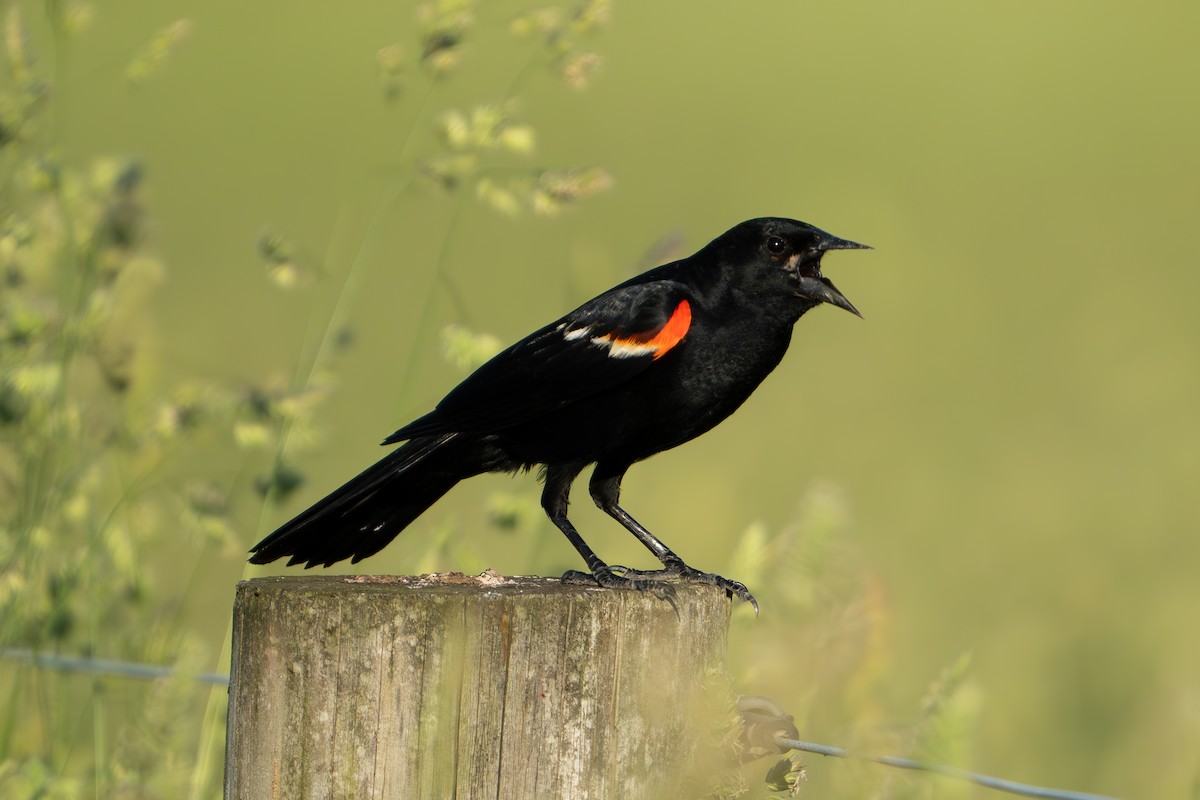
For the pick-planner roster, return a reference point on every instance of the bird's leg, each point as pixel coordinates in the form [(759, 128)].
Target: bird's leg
[(555, 499), (606, 491)]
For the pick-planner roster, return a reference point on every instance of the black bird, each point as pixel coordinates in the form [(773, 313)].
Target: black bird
[(642, 368)]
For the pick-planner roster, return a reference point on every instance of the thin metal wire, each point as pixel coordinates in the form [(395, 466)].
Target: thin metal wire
[(99, 666), (145, 672), (1000, 784)]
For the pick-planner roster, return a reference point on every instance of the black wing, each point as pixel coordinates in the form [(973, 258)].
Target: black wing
[(599, 345)]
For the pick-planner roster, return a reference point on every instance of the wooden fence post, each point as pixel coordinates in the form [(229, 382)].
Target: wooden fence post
[(463, 687)]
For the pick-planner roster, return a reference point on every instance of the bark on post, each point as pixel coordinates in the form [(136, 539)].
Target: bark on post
[(449, 686)]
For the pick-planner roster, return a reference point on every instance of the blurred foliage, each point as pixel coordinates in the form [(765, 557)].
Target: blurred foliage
[(150, 58), (1013, 426), (88, 439), (821, 651), (96, 452)]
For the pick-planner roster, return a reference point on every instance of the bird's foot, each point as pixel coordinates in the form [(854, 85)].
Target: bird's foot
[(615, 577), (681, 572)]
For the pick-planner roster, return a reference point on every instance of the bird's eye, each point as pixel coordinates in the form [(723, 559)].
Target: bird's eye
[(776, 245)]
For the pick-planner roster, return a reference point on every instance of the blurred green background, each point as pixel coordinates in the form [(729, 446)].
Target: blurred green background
[(1011, 432)]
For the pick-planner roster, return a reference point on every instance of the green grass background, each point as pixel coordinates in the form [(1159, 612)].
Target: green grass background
[(1014, 427)]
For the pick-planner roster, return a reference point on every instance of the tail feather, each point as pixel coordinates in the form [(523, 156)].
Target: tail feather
[(360, 518)]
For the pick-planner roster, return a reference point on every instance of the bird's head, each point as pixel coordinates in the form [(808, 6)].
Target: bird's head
[(777, 258)]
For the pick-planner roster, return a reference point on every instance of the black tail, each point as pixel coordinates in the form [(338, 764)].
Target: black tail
[(360, 518)]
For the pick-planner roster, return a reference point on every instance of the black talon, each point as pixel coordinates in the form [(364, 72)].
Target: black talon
[(681, 572), (607, 578), (574, 577)]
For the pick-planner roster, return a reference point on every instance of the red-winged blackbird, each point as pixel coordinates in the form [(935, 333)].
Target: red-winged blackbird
[(646, 366)]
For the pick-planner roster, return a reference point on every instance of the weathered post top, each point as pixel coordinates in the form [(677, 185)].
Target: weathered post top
[(453, 686)]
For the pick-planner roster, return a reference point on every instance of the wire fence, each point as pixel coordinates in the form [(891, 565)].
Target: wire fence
[(125, 669), (99, 666), (999, 784)]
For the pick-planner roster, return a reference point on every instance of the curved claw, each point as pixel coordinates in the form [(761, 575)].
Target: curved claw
[(574, 577), (608, 578), (739, 589), (679, 571), (732, 588)]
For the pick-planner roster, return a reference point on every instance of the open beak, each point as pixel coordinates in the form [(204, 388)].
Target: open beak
[(822, 290), (818, 287)]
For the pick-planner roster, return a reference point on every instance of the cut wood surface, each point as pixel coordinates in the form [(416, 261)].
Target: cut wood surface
[(466, 687)]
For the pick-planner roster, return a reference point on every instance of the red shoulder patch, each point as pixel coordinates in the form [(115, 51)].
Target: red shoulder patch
[(657, 343)]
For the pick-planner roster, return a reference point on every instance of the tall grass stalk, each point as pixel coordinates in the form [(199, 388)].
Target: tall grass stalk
[(86, 436)]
